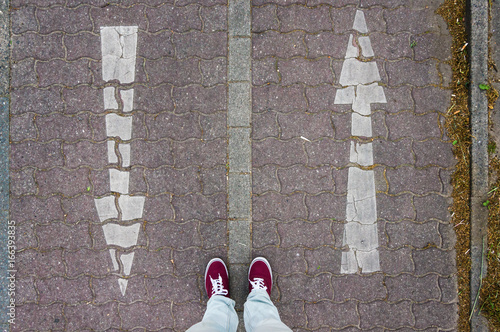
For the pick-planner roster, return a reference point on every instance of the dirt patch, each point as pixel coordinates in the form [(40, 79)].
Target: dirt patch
[(458, 126)]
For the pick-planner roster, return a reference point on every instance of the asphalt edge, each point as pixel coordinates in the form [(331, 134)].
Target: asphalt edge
[(478, 104)]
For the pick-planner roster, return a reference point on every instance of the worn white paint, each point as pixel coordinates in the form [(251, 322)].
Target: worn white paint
[(119, 49), (361, 89)]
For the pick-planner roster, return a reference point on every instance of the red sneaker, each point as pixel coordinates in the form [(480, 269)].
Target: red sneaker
[(260, 275), (216, 278)]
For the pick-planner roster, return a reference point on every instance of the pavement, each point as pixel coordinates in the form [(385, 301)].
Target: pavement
[(149, 136)]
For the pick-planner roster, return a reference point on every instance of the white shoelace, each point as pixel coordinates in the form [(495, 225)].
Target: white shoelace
[(258, 283), (218, 287)]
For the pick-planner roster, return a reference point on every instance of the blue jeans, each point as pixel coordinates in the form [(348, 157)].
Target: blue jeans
[(260, 315)]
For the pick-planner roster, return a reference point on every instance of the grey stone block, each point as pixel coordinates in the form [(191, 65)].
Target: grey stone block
[(239, 195), (240, 154), (240, 105), (239, 18), (238, 284), (239, 241), (239, 59)]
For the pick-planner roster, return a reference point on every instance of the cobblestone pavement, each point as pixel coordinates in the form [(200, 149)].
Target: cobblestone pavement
[(80, 270)]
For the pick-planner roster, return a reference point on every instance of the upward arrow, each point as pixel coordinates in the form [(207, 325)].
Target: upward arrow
[(361, 89)]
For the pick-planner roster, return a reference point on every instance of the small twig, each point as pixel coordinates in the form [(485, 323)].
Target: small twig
[(480, 283)]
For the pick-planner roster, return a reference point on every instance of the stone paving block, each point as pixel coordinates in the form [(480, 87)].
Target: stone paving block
[(25, 290), (209, 208), (214, 17), (264, 179), (386, 3), (239, 196), (119, 16), (151, 155), (193, 260), (328, 152), (409, 287), (85, 153), (415, 235), (239, 59), (196, 152), (264, 234), (265, 71), (64, 19), (239, 243), (37, 46), (168, 234), (394, 262), (239, 104), (239, 147), (417, 181), (63, 73), (200, 44), (146, 316), (82, 45), (22, 182), (342, 125), (176, 127), (446, 179), (264, 18), (432, 313), (23, 19), (446, 74), (213, 180), (87, 262), (448, 235), (424, 21), (273, 43), (30, 99), (303, 18), (153, 263), (309, 125), (107, 288), (178, 19), (392, 46), (99, 242), (69, 237), (80, 98), (418, 127), (384, 314), (36, 209), (214, 234), (213, 126), (25, 236), (278, 2), (306, 234), (340, 315), (42, 155), (325, 206), (264, 125), (300, 286), (67, 128), (238, 18), (395, 208), (60, 181), (23, 73), (276, 206), (171, 288), (412, 73), (172, 180), (432, 45), (321, 98), (278, 98), (348, 288), (277, 152), (310, 72), (88, 316), (188, 314), (173, 71), (398, 99), (326, 44), (334, 3), (439, 102), (95, 67), (433, 152), (284, 261), (40, 264), (393, 154), (343, 19), (155, 46), (79, 208), (323, 260), (69, 291), (434, 260), (448, 287), (213, 71), (48, 317), (292, 313), (199, 98), (310, 180)]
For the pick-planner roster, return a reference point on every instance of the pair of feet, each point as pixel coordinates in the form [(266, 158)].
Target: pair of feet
[(217, 277)]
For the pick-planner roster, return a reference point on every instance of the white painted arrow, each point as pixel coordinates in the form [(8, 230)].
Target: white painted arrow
[(119, 48), (361, 89)]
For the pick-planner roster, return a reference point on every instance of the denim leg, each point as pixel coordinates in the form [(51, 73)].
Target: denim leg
[(261, 315), (220, 316)]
